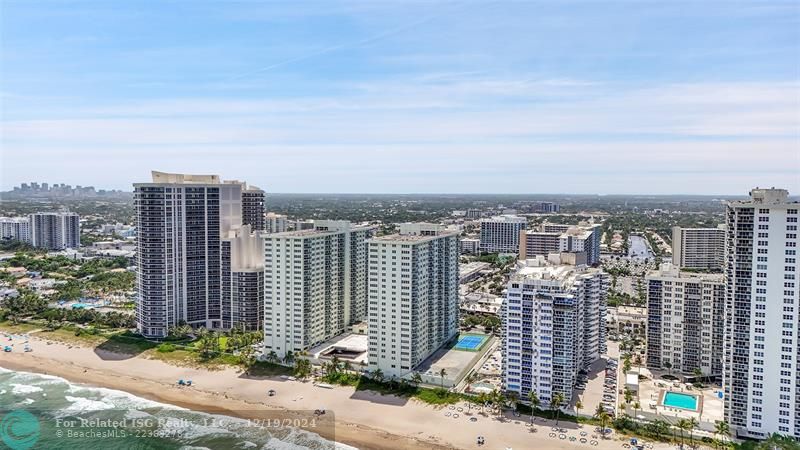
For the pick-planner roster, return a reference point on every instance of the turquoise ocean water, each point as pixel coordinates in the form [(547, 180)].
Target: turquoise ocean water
[(47, 412)]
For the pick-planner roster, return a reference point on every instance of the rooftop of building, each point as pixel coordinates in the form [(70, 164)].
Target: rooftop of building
[(408, 238), (668, 270), (550, 269), (299, 234), (510, 218), (771, 196)]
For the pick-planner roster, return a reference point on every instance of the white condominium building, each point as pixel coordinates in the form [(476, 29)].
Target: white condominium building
[(16, 229), (181, 221), (314, 284), (558, 238), (699, 248), (684, 326), (761, 378), (470, 246), (276, 223), (413, 296), (55, 231), (553, 326), (500, 234)]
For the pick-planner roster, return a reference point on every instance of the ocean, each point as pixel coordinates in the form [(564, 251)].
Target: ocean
[(48, 412)]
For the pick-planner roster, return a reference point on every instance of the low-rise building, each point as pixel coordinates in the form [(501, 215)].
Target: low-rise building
[(630, 320), (472, 271)]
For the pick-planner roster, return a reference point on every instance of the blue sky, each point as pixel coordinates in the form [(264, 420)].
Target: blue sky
[(405, 97)]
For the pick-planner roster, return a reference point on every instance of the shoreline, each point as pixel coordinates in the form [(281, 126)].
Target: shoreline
[(363, 419), (354, 435)]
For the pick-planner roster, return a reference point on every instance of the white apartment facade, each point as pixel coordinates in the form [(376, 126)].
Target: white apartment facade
[(55, 231), (761, 378), (500, 234), (16, 229), (699, 248), (470, 246), (553, 326), (314, 285), (413, 296), (684, 330)]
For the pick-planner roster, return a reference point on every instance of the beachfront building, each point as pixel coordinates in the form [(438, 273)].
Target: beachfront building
[(181, 221), (276, 223), (315, 284), (559, 238), (684, 330), (553, 325), (15, 229), (55, 230), (413, 296), (761, 376), (699, 248), (500, 234)]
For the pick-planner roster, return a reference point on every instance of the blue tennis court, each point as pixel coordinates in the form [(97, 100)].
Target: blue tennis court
[(470, 342)]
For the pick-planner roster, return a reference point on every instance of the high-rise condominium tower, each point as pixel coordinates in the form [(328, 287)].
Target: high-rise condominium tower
[(553, 326), (698, 248), (315, 284), (253, 208), (181, 221), (761, 378), (684, 327), (500, 234), (55, 231), (413, 296)]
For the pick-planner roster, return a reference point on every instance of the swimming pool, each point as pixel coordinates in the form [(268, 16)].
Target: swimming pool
[(470, 342), (680, 400)]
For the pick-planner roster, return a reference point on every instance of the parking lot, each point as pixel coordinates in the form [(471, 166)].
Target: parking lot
[(600, 386)]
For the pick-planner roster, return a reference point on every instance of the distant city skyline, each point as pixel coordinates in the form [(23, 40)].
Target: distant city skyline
[(390, 97)]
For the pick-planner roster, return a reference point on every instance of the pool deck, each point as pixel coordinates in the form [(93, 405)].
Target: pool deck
[(698, 398)]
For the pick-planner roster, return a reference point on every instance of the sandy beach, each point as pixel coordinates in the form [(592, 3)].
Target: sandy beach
[(364, 420)]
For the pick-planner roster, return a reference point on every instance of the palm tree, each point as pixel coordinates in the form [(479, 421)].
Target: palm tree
[(692, 425), (497, 399), (442, 374), (378, 375), (722, 429), (416, 378), (578, 408), (668, 366), (698, 374), (272, 357), (535, 402), (683, 425), (636, 407), (776, 441), (638, 361), (555, 404), (513, 397), (603, 417)]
